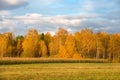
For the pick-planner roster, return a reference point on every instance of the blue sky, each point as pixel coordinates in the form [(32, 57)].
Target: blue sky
[(51, 7), (48, 15)]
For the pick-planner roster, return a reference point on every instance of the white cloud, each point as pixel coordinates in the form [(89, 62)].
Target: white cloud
[(44, 23), (69, 30), (4, 13), (12, 4), (39, 19), (8, 25)]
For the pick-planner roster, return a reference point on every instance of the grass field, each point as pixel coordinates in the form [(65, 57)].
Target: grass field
[(61, 71)]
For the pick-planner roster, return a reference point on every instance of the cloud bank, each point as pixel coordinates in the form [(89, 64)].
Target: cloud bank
[(44, 23), (49, 15), (12, 4)]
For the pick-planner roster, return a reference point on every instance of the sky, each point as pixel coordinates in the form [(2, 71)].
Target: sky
[(18, 16)]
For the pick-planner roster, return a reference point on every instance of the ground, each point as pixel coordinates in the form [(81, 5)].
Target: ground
[(61, 71)]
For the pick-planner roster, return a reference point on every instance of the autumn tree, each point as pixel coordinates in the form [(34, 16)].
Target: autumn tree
[(70, 46), (68, 49), (31, 44), (63, 53), (19, 49), (114, 48), (99, 46), (54, 46), (10, 44), (3, 45), (88, 43), (58, 40), (47, 40), (102, 40), (62, 35), (42, 49), (7, 44), (78, 39)]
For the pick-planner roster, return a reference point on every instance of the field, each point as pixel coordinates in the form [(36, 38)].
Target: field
[(60, 71)]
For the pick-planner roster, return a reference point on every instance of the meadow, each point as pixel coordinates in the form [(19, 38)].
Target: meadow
[(60, 71)]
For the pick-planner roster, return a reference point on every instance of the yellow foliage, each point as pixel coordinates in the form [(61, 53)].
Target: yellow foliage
[(77, 56), (82, 44), (43, 49), (31, 44)]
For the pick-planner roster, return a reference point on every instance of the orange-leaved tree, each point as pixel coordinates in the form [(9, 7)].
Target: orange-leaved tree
[(31, 44)]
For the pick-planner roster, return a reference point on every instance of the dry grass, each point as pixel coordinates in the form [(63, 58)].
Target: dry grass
[(61, 71), (47, 60)]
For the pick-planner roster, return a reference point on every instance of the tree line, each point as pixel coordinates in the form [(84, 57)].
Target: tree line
[(82, 45)]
